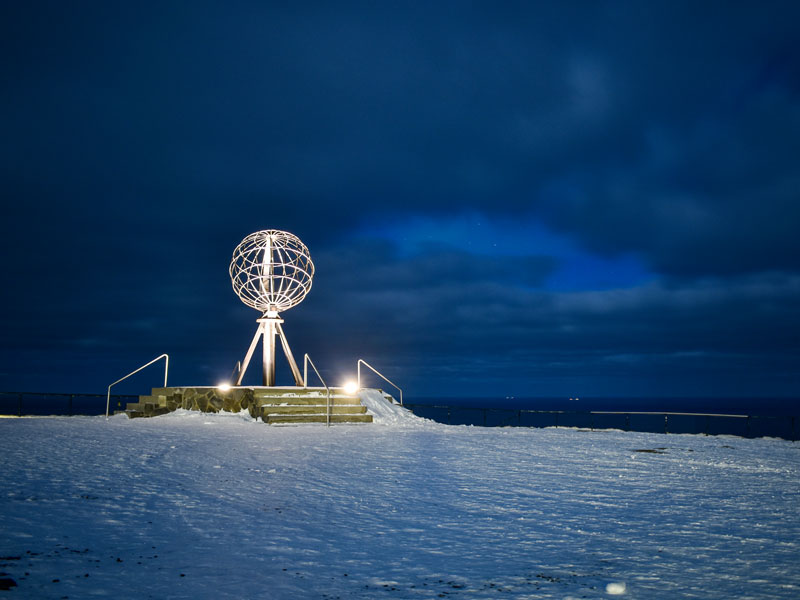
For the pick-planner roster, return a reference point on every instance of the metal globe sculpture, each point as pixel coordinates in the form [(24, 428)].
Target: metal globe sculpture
[(271, 271)]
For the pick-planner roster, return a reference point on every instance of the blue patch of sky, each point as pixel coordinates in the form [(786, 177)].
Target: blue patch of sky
[(578, 269)]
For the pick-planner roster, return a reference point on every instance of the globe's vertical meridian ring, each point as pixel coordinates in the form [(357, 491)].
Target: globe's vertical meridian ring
[(271, 270)]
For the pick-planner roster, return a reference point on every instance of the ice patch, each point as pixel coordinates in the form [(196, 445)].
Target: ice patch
[(615, 589)]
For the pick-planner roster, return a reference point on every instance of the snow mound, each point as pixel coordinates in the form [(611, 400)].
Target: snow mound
[(182, 413), (385, 413)]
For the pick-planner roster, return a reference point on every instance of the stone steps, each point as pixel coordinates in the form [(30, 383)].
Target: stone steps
[(307, 409), (309, 401), (300, 419)]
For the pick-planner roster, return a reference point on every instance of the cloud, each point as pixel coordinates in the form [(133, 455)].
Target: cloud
[(689, 336), (492, 193), (377, 265)]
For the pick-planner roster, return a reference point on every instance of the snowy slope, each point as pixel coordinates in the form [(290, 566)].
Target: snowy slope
[(385, 413), (192, 505)]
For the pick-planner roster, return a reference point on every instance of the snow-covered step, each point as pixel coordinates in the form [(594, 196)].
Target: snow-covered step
[(337, 400), (273, 409), (317, 418)]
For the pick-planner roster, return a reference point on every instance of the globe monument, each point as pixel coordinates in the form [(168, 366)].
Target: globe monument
[(271, 271)]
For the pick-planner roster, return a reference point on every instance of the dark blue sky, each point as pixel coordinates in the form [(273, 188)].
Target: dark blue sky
[(574, 198)]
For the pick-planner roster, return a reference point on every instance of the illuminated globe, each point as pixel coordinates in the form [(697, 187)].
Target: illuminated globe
[(271, 270)]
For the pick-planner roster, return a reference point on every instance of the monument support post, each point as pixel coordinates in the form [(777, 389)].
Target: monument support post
[(250, 350), (269, 328), (270, 332), (299, 380)]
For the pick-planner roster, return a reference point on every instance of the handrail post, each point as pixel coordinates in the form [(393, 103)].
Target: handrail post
[(166, 371), (306, 360)]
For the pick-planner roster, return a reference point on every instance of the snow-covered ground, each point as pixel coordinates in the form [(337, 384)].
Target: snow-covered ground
[(193, 505)]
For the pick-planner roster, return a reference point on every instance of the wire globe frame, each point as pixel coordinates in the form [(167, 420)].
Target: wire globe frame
[(271, 270)]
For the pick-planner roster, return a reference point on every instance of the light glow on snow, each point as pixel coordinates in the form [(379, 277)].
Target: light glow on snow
[(351, 387), (224, 387)]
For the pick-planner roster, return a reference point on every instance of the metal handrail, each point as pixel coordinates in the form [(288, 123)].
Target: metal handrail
[(366, 364), (166, 370), (306, 360)]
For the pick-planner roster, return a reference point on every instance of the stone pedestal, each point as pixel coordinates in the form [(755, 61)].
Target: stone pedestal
[(274, 405)]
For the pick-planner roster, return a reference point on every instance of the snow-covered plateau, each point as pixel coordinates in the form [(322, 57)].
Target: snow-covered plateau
[(192, 505)]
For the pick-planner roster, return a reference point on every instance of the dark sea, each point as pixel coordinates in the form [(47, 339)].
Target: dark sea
[(743, 417), (88, 404), (736, 406)]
